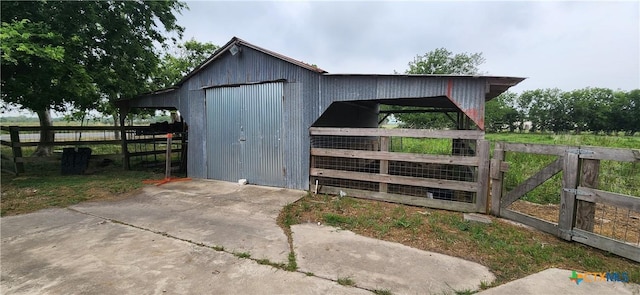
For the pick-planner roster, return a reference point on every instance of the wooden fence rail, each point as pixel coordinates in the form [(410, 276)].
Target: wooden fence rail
[(16, 143), (379, 155), (580, 168)]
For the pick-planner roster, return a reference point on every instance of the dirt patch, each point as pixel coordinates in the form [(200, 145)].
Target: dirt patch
[(609, 221)]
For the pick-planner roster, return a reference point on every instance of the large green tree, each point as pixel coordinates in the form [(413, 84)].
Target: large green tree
[(178, 61), (438, 62), (66, 54)]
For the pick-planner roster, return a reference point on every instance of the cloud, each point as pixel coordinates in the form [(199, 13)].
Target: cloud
[(567, 45)]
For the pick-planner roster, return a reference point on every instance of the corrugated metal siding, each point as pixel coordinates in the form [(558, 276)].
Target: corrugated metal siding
[(243, 138), (262, 124), (300, 108), (223, 149), (196, 122), (467, 93)]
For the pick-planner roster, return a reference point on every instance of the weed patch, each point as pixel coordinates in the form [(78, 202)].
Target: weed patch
[(346, 281)]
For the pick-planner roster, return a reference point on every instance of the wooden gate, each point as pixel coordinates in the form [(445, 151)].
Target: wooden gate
[(582, 207), (369, 163)]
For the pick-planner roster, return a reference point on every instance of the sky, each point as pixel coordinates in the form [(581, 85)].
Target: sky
[(568, 45), (554, 44)]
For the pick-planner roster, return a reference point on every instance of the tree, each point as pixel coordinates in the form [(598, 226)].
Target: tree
[(500, 113), (182, 59), (438, 62), (63, 54), (443, 62)]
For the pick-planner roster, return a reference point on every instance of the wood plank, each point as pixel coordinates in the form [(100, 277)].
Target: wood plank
[(16, 149), (80, 128), (391, 156), (401, 199), (568, 198), (419, 133), (585, 210), (545, 149), (496, 179), (618, 200), (152, 152), (384, 164), (6, 143), (529, 220), (482, 151), (607, 244), (532, 182), (406, 180), (615, 154)]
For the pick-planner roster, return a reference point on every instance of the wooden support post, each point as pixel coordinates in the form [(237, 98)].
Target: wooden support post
[(586, 211), (384, 164), (568, 197), (123, 137), (482, 151), (16, 149), (497, 177)]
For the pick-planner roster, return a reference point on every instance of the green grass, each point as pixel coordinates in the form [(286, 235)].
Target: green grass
[(242, 254), (42, 186), (382, 292), (509, 251), (346, 281), (618, 177)]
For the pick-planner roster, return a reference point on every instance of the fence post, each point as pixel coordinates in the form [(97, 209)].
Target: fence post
[(384, 164), (586, 211), (16, 149), (497, 177), (482, 152), (123, 137), (568, 196)]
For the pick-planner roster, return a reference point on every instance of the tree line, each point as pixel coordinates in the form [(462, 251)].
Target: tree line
[(596, 110)]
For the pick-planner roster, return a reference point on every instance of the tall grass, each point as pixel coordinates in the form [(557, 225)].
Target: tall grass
[(615, 176), (619, 177)]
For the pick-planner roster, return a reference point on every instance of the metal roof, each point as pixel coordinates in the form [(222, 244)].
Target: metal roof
[(237, 41), (496, 84)]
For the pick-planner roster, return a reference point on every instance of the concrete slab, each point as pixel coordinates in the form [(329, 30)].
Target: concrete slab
[(240, 218), (379, 265), (556, 281), (89, 255)]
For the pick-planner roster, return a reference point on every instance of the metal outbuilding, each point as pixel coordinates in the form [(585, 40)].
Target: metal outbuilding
[(249, 110)]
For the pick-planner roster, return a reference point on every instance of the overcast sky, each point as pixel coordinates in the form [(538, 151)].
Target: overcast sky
[(568, 45)]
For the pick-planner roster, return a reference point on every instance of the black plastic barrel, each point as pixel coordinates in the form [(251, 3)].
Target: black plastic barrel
[(75, 160)]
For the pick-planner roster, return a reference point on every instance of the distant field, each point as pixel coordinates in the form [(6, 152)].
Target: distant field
[(615, 176)]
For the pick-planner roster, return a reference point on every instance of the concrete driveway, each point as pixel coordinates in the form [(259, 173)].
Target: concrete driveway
[(209, 237)]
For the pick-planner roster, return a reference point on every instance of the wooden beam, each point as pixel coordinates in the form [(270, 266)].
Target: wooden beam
[(401, 199), (529, 220), (496, 179), (420, 133), (391, 156), (16, 149), (384, 164), (568, 198), (532, 182), (482, 196), (607, 244), (406, 180), (545, 149), (618, 200), (602, 153), (585, 210)]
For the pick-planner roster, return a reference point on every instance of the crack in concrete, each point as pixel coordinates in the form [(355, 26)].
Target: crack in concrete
[(220, 248)]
